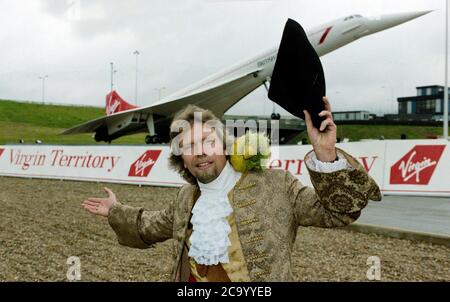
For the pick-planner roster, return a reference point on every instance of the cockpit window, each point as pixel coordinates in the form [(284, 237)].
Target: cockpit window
[(352, 17)]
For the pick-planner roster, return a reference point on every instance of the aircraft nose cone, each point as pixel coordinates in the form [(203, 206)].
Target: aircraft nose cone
[(387, 21)]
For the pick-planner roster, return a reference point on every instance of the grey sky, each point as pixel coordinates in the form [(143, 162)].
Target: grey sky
[(183, 41)]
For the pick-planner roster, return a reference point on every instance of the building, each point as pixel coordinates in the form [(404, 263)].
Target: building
[(428, 104), (352, 116)]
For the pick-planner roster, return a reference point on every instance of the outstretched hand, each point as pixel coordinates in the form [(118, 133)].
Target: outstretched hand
[(100, 206), (323, 142)]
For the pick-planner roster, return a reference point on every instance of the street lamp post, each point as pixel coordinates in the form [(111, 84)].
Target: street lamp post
[(391, 102), (159, 92), (112, 75), (43, 87), (136, 83), (446, 73)]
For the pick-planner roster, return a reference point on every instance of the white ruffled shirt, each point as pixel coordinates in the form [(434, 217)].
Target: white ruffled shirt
[(324, 167), (209, 239)]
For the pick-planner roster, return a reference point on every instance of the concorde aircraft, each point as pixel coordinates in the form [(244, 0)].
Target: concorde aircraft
[(221, 91)]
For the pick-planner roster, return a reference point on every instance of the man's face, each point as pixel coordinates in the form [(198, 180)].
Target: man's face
[(203, 155)]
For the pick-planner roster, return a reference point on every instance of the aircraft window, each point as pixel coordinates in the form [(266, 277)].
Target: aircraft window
[(352, 17)]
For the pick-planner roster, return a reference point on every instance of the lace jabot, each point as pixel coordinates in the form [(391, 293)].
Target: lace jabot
[(209, 239)]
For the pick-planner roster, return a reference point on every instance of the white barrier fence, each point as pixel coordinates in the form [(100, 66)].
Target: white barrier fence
[(403, 167)]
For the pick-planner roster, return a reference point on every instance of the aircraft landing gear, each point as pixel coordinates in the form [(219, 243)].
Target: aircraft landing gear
[(274, 115), (152, 139)]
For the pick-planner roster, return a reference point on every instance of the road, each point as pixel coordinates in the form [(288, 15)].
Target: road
[(420, 214)]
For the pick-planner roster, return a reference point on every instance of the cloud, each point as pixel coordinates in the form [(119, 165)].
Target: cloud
[(181, 42)]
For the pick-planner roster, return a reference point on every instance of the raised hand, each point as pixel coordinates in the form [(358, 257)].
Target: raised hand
[(100, 206), (323, 142)]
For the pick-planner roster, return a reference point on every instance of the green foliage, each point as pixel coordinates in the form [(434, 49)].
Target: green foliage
[(256, 162)]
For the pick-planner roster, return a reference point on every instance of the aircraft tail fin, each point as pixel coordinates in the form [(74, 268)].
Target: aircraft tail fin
[(114, 103)]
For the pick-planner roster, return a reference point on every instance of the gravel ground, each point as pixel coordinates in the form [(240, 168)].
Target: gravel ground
[(42, 223)]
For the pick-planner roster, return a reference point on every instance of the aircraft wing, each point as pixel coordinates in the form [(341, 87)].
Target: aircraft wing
[(217, 98), (87, 127)]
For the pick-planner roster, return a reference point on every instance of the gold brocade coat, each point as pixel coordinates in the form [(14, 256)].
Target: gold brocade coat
[(268, 207)]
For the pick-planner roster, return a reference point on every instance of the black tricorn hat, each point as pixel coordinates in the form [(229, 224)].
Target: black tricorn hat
[(298, 81)]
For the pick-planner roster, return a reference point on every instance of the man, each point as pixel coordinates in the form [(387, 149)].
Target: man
[(233, 226)]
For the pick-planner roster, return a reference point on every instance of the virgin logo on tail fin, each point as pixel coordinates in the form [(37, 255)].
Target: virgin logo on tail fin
[(114, 103)]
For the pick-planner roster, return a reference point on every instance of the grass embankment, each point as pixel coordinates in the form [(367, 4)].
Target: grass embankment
[(31, 121), (359, 132)]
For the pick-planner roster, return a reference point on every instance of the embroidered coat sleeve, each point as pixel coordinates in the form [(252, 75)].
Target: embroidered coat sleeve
[(139, 228), (337, 197)]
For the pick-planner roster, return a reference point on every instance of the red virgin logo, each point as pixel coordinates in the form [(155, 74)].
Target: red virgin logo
[(417, 166), (142, 166), (112, 106), (1, 151)]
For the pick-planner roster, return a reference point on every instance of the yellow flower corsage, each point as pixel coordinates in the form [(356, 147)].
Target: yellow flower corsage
[(250, 152)]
